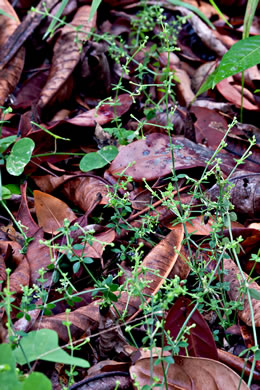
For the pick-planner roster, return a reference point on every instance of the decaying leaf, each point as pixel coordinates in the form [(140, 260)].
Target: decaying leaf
[(245, 194), (67, 53), (235, 294), (104, 114), (51, 212), (10, 74), (189, 373)]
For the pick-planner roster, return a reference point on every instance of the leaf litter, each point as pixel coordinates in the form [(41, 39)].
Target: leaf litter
[(85, 108)]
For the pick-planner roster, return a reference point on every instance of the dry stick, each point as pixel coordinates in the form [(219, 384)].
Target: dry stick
[(148, 208)]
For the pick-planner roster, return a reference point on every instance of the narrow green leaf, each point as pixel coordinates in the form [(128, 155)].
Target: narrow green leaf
[(20, 156), (249, 16), (94, 6), (212, 2), (2, 12), (242, 55), (98, 159), (55, 20), (254, 293), (43, 344), (179, 3)]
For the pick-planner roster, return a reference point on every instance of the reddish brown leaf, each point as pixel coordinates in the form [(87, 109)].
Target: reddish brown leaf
[(189, 373), (51, 212), (152, 158), (24, 214), (2, 271), (200, 339), (99, 242), (38, 256), (104, 114), (17, 257), (83, 191), (234, 96), (237, 363), (20, 276)]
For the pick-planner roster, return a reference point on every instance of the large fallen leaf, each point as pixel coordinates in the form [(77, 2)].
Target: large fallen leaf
[(200, 339), (235, 295), (152, 157), (51, 212), (67, 53), (10, 74), (189, 373)]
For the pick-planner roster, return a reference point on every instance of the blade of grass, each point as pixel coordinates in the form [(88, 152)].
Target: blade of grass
[(179, 3)]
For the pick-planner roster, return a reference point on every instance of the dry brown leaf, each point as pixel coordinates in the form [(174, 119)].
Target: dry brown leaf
[(237, 364), (235, 295), (38, 256), (24, 215), (51, 212), (104, 114), (83, 191), (20, 277), (66, 53), (189, 373), (10, 74)]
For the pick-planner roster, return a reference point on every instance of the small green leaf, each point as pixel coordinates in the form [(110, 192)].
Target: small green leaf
[(20, 156), (98, 159), (242, 55), (6, 142), (43, 344), (254, 293)]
